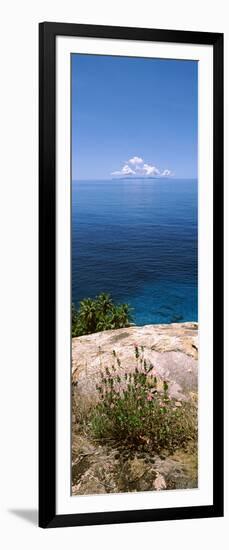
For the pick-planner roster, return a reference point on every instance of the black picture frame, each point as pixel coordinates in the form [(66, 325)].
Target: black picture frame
[(47, 274)]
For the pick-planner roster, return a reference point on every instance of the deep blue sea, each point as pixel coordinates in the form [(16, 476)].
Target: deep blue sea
[(137, 240)]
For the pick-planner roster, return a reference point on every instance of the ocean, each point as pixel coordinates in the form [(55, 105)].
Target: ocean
[(136, 239)]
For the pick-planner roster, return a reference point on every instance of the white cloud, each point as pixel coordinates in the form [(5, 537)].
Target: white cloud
[(150, 170), (125, 171), (136, 160), (166, 173), (141, 170)]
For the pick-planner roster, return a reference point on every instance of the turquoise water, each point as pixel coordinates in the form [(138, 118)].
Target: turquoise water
[(137, 240)]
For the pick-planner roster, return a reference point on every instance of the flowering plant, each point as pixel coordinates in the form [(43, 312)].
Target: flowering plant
[(136, 407)]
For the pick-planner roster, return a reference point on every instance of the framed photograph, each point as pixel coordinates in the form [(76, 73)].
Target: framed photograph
[(131, 275)]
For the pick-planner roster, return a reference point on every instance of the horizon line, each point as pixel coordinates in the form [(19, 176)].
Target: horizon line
[(130, 178)]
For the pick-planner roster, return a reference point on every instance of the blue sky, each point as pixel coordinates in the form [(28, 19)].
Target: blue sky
[(133, 116)]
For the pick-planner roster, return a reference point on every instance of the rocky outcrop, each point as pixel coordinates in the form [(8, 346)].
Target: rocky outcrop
[(112, 468), (172, 349), (99, 469)]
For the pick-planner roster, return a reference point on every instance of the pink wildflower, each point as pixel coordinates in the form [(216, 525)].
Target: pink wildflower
[(149, 397)]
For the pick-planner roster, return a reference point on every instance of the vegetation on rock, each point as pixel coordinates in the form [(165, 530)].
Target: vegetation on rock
[(136, 408), (134, 421), (95, 315)]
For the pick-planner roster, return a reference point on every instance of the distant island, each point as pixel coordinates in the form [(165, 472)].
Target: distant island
[(130, 177)]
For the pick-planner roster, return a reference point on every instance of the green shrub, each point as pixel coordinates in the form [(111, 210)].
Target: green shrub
[(95, 315), (136, 408)]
